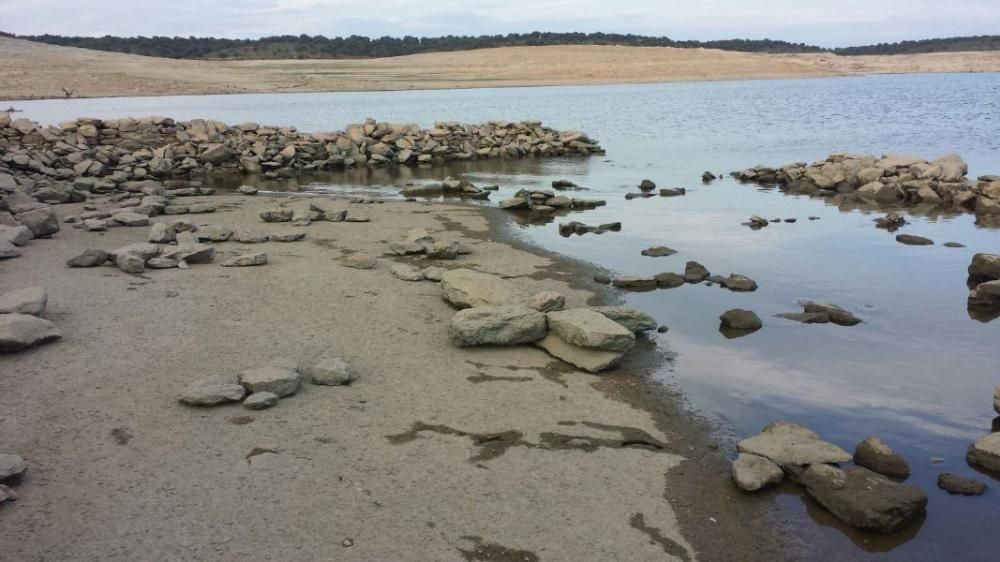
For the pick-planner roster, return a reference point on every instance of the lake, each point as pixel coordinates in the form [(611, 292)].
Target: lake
[(918, 372)]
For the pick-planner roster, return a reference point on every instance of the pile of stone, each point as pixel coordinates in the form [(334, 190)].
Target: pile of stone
[(864, 496), (262, 387), (449, 187), (419, 243), (547, 202), (893, 179), (120, 150), (495, 312), (21, 322), (570, 228), (12, 469), (984, 273)]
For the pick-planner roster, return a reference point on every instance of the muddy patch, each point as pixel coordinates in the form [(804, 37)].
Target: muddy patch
[(493, 552)]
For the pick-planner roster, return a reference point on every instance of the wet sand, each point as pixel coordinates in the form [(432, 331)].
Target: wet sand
[(37, 70), (435, 453)]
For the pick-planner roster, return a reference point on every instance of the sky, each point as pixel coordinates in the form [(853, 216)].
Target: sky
[(818, 22)]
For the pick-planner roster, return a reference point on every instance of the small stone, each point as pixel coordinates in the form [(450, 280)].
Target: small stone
[(214, 233), (30, 300), (21, 331), (41, 222), (89, 258), (260, 401), (8, 250), (658, 252), (633, 320), (329, 371), (433, 273), (753, 472), (358, 261), (279, 380), (546, 301), (161, 233), (954, 484), (246, 260), (16, 235), (247, 190), (130, 263), (288, 236), (407, 272), (211, 391), (131, 219), (201, 208), (739, 283), (160, 262)]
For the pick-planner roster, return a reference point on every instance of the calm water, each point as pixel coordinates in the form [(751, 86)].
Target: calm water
[(919, 372)]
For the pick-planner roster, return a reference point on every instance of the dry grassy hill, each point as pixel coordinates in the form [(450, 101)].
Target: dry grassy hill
[(36, 70)]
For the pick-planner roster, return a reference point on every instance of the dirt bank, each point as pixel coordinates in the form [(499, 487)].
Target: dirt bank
[(436, 453), (37, 70)]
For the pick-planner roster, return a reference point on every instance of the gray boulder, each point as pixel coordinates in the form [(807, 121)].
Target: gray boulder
[(279, 380), (211, 391), (496, 325), (546, 301), (8, 250), (12, 467), (465, 288), (214, 233), (161, 233), (754, 472), (16, 235), (30, 300), (739, 319), (985, 453), (89, 258), (41, 222), (634, 320), (985, 295), (131, 219), (21, 331), (407, 272), (875, 455), (590, 360), (260, 401), (864, 499), (791, 445), (586, 328), (246, 260), (694, 272), (328, 371)]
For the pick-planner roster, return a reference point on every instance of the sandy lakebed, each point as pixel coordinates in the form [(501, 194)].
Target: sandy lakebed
[(435, 453)]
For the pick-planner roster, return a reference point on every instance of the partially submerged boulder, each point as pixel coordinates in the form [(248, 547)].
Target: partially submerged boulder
[(985, 267), (875, 455), (864, 499)]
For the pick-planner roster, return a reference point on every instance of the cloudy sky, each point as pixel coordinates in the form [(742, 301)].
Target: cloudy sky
[(819, 22)]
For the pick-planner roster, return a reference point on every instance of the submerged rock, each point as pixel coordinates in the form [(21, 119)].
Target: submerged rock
[(911, 240), (658, 252), (985, 453), (496, 325), (864, 499), (753, 472), (875, 455), (836, 314), (738, 283), (694, 272), (954, 484)]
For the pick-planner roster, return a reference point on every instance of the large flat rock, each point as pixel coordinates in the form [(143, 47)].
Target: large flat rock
[(789, 444), (590, 360), (465, 288), (587, 328), (864, 499)]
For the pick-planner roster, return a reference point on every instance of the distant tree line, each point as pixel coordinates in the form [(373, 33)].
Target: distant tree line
[(356, 46), (950, 44)]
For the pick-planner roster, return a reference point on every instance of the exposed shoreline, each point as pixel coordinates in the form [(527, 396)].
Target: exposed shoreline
[(40, 71), (182, 470)]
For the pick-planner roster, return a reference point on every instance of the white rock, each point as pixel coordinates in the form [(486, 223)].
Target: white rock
[(465, 288)]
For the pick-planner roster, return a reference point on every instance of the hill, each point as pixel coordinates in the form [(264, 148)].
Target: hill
[(37, 70)]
